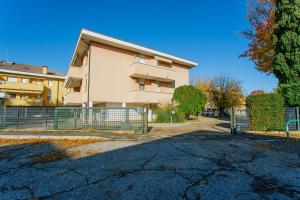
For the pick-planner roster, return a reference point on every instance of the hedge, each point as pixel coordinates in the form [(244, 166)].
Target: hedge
[(266, 112)]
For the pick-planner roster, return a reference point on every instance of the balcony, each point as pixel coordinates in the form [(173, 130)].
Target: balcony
[(21, 87), (138, 96), (74, 77), (73, 98), (145, 71), (23, 102)]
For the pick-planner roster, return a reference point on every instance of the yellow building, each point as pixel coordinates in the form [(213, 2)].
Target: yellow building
[(27, 85)]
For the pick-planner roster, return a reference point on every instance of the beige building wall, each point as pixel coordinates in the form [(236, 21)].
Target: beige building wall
[(115, 73)]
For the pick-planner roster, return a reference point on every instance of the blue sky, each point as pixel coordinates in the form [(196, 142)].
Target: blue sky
[(45, 32)]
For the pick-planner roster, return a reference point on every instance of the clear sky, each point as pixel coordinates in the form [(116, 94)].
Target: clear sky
[(44, 32)]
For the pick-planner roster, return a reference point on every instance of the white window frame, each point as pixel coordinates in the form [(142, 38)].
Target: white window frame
[(24, 80), (39, 82), (50, 83), (142, 59), (12, 79), (23, 96)]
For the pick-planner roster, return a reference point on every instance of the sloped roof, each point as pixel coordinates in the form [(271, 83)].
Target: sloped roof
[(25, 68)]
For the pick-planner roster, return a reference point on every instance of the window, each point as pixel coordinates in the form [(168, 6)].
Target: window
[(49, 96), (142, 85), (157, 86), (39, 82), (12, 95), (142, 59), (24, 80), (23, 96), (12, 79), (50, 83), (37, 97)]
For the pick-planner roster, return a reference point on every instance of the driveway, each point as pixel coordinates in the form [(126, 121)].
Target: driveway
[(194, 162)]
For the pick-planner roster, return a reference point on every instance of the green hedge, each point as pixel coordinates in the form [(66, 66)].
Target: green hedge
[(291, 94), (163, 114), (266, 112)]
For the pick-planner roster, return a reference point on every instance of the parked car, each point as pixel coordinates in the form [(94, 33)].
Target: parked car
[(208, 112)]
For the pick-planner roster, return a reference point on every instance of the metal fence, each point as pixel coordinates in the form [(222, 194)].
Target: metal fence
[(66, 118), (240, 119)]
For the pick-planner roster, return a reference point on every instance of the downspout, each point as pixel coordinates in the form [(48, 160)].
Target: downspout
[(89, 72)]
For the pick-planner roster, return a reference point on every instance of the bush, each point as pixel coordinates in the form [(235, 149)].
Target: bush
[(266, 112), (190, 99), (164, 112), (291, 94)]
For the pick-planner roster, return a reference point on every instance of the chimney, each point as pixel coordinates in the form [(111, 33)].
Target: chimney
[(45, 69)]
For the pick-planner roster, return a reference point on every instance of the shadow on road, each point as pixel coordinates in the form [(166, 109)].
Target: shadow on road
[(187, 166)]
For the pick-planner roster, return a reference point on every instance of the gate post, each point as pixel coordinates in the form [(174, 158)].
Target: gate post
[(233, 121), (18, 116)]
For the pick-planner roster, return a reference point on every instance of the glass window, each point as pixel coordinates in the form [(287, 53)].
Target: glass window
[(12, 79), (37, 97), (157, 86), (39, 82), (49, 96), (142, 59), (12, 95), (24, 80), (142, 85), (50, 83)]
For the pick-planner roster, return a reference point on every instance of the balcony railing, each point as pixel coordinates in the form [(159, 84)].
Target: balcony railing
[(145, 71), (22, 87), (140, 96), (23, 102), (73, 98), (74, 77)]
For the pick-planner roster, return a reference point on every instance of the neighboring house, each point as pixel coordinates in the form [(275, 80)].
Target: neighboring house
[(107, 72), (27, 85)]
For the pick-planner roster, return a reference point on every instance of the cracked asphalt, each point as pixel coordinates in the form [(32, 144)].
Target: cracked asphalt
[(198, 162)]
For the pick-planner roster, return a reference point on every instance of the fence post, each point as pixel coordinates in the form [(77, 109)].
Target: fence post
[(46, 118), (297, 118), (55, 125), (18, 116), (233, 121), (75, 116)]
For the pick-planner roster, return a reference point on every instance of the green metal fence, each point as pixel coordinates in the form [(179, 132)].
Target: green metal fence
[(67, 118), (101, 118)]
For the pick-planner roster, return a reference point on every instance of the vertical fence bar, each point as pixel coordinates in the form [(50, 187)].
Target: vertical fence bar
[(18, 116), (297, 118)]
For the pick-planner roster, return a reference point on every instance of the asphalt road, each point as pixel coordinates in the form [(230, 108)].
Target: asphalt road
[(204, 164)]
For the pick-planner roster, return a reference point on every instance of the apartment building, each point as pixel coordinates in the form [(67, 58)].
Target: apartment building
[(27, 85), (109, 72)]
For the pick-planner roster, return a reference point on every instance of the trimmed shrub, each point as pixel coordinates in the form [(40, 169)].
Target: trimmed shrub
[(291, 94), (163, 114), (266, 112), (190, 99)]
